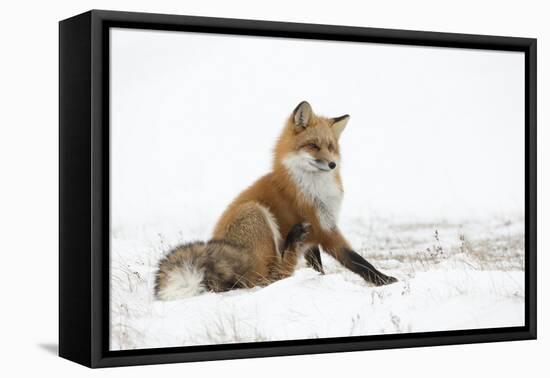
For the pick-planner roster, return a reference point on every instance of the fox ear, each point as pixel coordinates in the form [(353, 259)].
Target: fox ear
[(339, 124), (302, 115)]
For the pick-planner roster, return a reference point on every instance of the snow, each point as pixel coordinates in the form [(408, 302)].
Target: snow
[(452, 280)]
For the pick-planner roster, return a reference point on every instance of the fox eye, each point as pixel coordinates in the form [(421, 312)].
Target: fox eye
[(331, 147), (313, 146)]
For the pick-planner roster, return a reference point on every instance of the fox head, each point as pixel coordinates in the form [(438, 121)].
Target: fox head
[(309, 142)]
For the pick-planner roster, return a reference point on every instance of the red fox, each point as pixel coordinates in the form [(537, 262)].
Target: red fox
[(299, 198)]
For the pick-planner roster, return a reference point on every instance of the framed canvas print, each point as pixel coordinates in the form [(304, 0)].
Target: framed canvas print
[(235, 188)]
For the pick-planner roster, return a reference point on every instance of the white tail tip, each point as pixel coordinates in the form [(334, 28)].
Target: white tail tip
[(183, 282)]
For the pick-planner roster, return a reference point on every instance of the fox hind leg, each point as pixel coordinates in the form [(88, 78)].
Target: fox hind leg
[(293, 245), (296, 236)]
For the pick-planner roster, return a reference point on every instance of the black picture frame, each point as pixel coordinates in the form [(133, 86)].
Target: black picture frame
[(84, 187)]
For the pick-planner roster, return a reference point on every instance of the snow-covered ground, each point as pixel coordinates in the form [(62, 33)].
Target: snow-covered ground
[(452, 276)]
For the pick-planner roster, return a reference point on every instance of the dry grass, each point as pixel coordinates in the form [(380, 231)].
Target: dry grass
[(425, 246)]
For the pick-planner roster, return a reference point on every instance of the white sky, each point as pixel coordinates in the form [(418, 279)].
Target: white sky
[(435, 133)]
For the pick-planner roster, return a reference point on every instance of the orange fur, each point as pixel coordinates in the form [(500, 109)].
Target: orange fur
[(277, 192)]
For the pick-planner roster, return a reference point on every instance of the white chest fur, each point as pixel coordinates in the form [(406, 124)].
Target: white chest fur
[(318, 188)]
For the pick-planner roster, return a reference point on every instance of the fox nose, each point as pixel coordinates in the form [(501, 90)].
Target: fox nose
[(332, 165)]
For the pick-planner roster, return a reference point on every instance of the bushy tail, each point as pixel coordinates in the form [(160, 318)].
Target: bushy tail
[(178, 275), (194, 268)]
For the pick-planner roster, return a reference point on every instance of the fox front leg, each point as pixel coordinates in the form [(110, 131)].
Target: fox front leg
[(313, 259), (357, 264), (337, 246)]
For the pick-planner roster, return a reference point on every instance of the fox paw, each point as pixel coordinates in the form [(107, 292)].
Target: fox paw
[(297, 234), (384, 280), (302, 231)]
